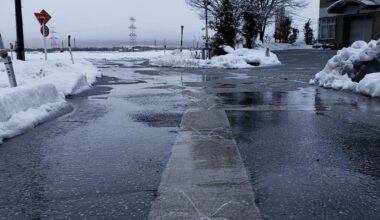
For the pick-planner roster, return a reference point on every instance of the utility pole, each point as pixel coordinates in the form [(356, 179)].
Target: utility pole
[(20, 47)]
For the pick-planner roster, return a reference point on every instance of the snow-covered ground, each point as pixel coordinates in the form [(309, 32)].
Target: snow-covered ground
[(239, 58), (335, 73)]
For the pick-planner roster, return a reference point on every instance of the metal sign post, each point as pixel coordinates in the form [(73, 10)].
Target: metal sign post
[(11, 48), (44, 34), (182, 37), (8, 64), (164, 46), (43, 18), (69, 45)]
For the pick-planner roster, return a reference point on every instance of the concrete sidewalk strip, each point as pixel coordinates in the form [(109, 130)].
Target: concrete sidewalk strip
[(205, 177)]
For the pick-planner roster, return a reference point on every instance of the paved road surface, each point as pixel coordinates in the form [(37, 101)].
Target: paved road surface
[(295, 151)]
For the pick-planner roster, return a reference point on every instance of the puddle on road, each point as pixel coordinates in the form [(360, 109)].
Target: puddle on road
[(154, 119), (109, 81), (106, 64), (224, 85)]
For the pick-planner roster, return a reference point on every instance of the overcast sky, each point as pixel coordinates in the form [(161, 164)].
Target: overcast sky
[(108, 20)]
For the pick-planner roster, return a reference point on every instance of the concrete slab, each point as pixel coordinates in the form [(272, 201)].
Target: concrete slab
[(205, 177)]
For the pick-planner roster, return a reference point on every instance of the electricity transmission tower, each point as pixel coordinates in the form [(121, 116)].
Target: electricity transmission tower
[(54, 39), (132, 35)]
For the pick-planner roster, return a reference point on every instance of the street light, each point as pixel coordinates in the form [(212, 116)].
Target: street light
[(206, 25), (206, 4)]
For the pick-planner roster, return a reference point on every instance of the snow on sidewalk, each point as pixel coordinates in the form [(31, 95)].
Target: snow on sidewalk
[(27, 106), (67, 77), (335, 73), (234, 59), (43, 86)]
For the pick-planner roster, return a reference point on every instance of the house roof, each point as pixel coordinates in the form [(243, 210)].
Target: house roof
[(338, 6)]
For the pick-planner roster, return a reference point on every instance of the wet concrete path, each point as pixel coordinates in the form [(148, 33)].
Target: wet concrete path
[(306, 152)]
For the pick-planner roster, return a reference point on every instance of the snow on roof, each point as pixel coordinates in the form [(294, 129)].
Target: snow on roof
[(339, 5)]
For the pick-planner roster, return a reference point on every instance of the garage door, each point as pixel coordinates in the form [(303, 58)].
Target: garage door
[(361, 29)]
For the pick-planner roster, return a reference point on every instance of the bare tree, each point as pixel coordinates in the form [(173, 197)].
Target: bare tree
[(213, 7), (264, 10)]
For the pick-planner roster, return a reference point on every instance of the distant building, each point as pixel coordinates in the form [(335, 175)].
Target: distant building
[(343, 22)]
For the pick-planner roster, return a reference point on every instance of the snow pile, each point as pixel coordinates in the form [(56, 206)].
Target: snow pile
[(335, 73), (370, 85), (234, 59), (43, 86), (67, 77), (27, 106)]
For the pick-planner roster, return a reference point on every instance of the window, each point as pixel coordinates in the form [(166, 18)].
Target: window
[(327, 27)]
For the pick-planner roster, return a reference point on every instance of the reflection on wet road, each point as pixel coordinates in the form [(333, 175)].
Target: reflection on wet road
[(315, 161), (311, 153)]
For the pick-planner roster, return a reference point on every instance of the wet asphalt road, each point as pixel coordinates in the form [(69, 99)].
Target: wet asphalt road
[(102, 161), (311, 153)]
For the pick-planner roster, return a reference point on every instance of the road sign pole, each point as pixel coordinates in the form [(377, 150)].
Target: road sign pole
[(44, 33), (164, 46), (69, 46), (11, 49), (43, 18)]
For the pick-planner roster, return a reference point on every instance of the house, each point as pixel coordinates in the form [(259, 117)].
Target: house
[(343, 22)]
